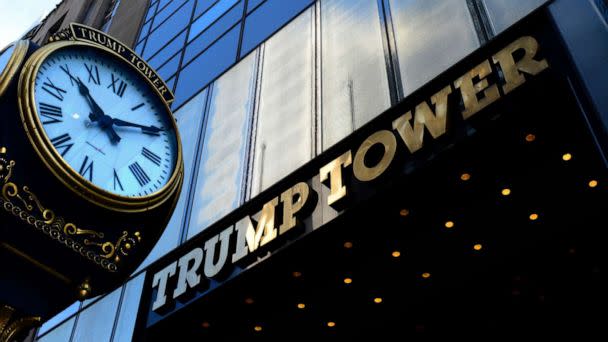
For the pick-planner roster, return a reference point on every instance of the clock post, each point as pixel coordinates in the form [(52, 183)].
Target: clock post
[(90, 172)]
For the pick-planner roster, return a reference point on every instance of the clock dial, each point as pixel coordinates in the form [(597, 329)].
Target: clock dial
[(105, 121), (10, 61), (5, 56)]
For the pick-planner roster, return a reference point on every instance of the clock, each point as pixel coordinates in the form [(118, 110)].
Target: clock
[(10, 60), (100, 126)]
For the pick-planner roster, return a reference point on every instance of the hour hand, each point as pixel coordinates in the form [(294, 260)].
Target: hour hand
[(145, 129)]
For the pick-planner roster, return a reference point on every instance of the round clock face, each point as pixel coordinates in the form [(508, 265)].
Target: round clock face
[(10, 61), (105, 121)]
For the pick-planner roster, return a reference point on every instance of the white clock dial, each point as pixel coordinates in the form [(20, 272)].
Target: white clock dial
[(105, 121)]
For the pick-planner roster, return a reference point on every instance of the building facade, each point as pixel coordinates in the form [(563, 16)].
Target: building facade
[(264, 87)]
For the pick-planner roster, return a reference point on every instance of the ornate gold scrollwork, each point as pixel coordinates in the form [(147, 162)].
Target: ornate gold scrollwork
[(11, 327), (112, 251)]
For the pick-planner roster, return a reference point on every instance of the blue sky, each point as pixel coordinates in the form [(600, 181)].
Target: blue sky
[(18, 16)]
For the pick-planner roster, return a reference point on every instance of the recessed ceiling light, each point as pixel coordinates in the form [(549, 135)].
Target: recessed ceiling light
[(301, 305), (530, 137), (477, 247), (348, 280), (426, 275), (396, 254), (378, 300), (567, 156), (533, 217), (331, 324), (449, 224), (592, 183), (257, 328), (506, 192), (465, 176)]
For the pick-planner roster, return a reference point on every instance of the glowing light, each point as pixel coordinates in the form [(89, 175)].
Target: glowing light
[(567, 156), (533, 217), (530, 137), (449, 224), (396, 254), (404, 212), (257, 328), (348, 245), (249, 300), (348, 280), (506, 192), (331, 324), (592, 183), (426, 275), (377, 300), (301, 305), (477, 247), (465, 176), (296, 274), (205, 325)]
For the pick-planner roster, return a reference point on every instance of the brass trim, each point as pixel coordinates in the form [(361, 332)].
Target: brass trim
[(59, 167), (36, 263), (11, 326), (13, 64)]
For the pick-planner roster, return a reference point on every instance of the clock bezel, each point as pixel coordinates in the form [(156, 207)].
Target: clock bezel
[(14, 62), (55, 162)]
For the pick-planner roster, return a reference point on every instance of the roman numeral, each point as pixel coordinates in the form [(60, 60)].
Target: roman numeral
[(117, 181), (151, 156), (52, 113), (138, 106), (94, 76), (86, 169), (139, 173), (62, 142), (118, 86), (66, 69), (52, 89)]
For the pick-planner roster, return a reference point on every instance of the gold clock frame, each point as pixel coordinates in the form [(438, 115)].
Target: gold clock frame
[(59, 167), (14, 62)]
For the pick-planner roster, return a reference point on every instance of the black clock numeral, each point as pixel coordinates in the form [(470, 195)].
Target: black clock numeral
[(151, 156), (86, 169), (93, 76), (52, 113), (117, 181), (139, 173), (62, 142), (66, 69), (137, 107), (118, 86), (52, 89)]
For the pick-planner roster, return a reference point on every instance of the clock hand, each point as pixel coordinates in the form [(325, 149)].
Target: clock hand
[(150, 129), (97, 114)]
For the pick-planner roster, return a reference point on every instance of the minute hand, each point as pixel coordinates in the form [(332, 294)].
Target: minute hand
[(151, 129)]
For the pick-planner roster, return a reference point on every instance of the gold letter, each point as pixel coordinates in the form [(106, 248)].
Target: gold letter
[(290, 208), (469, 90), (435, 122), (387, 139), (334, 170), (511, 69), (248, 238)]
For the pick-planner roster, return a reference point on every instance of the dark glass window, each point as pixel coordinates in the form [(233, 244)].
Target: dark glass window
[(169, 50), (169, 68), (168, 11), (201, 42), (207, 66), (252, 4), (268, 18), (200, 24), (164, 33)]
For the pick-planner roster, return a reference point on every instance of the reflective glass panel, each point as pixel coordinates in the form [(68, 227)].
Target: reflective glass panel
[(207, 66), (52, 322), (145, 29), (60, 334), (128, 310), (251, 4), (151, 11), (169, 68), (5, 56), (202, 6), (169, 50), (164, 33), (223, 159), (355, 83), (284, 134), (504, 13), (201, 42), (189, 119), (431, 36), (266, 19), (210, 16), (165, 12), (96, 322)]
